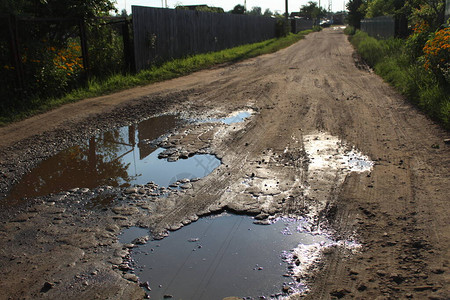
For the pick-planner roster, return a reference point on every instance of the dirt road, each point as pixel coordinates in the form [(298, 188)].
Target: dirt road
[(315, 90)]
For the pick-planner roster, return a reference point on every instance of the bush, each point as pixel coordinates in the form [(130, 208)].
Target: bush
[(392, 60), (437, 55), (349, 30)]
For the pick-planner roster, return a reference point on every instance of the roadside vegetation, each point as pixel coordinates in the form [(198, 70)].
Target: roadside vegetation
[(175, 68), (418, 66)]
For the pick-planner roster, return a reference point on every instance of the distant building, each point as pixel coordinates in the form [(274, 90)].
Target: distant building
[(202, 7), (297, 14)]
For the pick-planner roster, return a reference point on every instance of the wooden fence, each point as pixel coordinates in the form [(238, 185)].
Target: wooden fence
[(162, 34), (298, 25), (385, 27)]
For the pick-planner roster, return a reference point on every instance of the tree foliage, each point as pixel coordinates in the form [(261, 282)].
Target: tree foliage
[(267, 13), (238, 10), (85, 9), (312, 10), (255, 11), (356, 12)]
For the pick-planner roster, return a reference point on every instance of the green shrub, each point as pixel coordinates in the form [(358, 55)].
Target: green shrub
[(393, 60), (349, 30)]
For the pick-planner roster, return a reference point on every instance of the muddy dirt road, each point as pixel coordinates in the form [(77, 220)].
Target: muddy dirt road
[(312, 105)]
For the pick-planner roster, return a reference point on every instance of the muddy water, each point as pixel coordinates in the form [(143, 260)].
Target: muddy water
[(219, 256), (119, 157)]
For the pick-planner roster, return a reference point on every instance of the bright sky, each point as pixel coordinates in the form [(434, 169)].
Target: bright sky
[(273, 5)]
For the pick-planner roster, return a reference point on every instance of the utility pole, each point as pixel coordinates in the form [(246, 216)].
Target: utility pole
[(330, 6), (287, 17)]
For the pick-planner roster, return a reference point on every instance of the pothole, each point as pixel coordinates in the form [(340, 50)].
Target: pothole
[(222, 256), (121, 157)]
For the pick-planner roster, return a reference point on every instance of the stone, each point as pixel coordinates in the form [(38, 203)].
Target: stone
[(339, 293), (397, 278), (122, 210), (261, 216), (141, 240), (130, 190), (121, 253), (112, 228), (47, 286), (186, 186), (131, 277), (362, 287)]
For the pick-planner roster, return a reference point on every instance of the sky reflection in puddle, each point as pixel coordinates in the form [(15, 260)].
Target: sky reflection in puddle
[(219, 256), (118, 157)]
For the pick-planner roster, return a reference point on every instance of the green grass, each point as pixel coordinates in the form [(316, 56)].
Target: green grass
[(392, 61), (168, 70)]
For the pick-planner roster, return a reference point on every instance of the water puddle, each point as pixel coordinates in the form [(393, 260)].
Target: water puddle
[(240, 117), (120, 157), (232, 119), (220, 256)]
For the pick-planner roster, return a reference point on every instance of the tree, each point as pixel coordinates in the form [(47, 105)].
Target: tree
[(86, 9), (267, 13), (123, 13), (255, 11), (312, 10), (238, 10), (376, 8), (356, 11), (431, 12)]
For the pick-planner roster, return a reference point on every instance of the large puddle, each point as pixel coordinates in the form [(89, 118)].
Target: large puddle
[(121, 157), (220, 256)]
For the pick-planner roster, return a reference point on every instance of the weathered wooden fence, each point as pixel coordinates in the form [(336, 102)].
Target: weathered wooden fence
[(298, 25), (385, 27), (379, 27), (162, 34)]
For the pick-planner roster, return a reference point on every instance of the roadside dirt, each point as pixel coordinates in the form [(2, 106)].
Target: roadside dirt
[(55, 247)]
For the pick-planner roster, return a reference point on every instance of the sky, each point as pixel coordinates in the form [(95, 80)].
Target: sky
[(273, 5)]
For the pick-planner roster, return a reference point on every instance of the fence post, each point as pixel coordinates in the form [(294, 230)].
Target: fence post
[(127, 48), (84, 48), (16, 58)]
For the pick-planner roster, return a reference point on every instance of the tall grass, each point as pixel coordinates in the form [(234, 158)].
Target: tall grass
[(391, 60), (168, 70)]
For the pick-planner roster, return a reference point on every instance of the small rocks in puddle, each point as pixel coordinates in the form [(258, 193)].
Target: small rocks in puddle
[(145, 285), (261, 216), (140, 240)]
